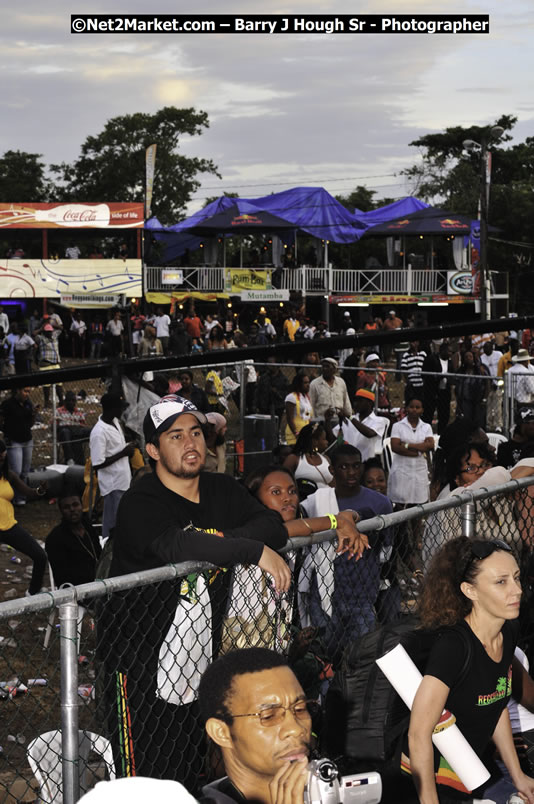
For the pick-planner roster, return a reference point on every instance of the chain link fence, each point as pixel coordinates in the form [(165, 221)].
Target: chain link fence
[(100, 680)]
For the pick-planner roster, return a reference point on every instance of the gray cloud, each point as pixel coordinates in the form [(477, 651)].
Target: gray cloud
[(283, 109)]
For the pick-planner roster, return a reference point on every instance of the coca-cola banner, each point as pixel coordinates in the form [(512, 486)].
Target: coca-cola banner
[(116, 215)]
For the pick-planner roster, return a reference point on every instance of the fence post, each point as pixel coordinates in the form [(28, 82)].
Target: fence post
[(54, 425), (242, 399), (68, 619), (468, 520), (512, 388), (505, 405)]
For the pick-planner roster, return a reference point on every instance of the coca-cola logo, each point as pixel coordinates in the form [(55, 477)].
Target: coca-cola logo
[(81, 217)]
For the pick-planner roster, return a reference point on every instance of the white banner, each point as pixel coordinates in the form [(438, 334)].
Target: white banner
[(77, 300), (54, 278), (172, 276), (459, 283), (150, 168), (264, 295)]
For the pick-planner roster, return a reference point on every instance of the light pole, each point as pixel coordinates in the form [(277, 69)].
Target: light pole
[(488, 136)]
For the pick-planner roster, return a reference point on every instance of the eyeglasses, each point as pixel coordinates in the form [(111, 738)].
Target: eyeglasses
[(484, 548), (473, 468), (273, 715)]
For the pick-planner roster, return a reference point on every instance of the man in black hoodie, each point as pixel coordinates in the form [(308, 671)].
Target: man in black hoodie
[(156, 640)]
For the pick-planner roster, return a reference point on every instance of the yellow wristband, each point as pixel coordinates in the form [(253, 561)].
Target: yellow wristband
[(333, 521)]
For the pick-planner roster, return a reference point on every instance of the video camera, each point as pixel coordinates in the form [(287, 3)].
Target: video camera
[(325, 786)]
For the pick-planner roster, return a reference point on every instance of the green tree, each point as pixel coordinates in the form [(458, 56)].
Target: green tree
[(360, 198), (212, 198), (22, 178), (501, 684), (446, 176), (111, 166)]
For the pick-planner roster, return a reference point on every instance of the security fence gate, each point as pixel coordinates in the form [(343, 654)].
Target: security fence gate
[(103, 699)]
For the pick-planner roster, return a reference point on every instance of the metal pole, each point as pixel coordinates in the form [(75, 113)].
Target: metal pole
[(54, 425), (377, 373), (468, 520), (483, 231), (242, 400), (68, 620), (511, 412), (505, 410)]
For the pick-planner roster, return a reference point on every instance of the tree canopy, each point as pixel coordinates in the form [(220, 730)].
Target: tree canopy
[(22, 178), (111, 165), (448, 176)]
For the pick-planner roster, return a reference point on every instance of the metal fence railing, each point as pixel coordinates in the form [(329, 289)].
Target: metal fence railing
[(113, 692)]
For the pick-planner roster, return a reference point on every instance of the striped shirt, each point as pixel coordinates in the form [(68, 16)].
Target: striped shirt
[(413, 364)]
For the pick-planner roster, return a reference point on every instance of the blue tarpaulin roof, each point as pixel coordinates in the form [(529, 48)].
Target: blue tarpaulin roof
[(312, 209)]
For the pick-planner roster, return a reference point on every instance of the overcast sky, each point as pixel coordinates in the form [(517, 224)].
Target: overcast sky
[(331, 111)]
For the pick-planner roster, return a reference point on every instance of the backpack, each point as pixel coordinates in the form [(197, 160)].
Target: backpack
[(365, 718)]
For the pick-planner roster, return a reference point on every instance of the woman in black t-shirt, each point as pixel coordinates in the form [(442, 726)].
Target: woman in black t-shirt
[(474, 587)]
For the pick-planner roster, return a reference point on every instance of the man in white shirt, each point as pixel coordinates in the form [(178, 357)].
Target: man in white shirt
[(365, 430), (490, 360), (329, 392), (4, 320), (521, 378), (115, 328), (72, 252), (162, 322), (110, 458)]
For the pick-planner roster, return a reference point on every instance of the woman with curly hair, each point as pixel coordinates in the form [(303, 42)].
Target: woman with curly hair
[(472, 592)]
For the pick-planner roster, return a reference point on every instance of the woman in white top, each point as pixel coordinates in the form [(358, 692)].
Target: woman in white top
[(306, 461), (299, 409), (411, 440)]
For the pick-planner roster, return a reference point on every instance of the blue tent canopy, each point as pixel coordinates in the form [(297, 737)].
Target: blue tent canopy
[(405, 206), (311, 209)]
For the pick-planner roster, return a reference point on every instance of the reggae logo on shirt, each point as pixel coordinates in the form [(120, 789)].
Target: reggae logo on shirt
[(188, 586), (503, 689)]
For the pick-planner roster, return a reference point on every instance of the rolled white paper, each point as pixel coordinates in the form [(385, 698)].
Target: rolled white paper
[(405, 678)]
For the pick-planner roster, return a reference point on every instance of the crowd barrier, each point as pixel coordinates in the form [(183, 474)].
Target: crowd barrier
[(85, 693)]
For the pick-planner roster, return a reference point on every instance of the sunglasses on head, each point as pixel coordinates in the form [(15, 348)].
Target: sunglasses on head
[(483, 549)]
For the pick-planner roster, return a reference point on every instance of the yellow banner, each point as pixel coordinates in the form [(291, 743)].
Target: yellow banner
[(238, 279), (159, 297)]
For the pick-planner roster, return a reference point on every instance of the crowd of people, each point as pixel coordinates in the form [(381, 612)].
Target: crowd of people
[(327, 473)]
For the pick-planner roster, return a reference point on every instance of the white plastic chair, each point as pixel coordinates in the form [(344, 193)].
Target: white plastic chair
[(387, 454), (52, 615), (495, 439), (45, 760)]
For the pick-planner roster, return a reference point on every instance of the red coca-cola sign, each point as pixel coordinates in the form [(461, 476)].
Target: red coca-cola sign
[(80, 217), (98, 215)]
